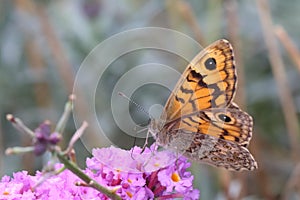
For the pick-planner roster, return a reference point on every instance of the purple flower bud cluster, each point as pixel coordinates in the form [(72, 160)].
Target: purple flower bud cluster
[(44, 139)]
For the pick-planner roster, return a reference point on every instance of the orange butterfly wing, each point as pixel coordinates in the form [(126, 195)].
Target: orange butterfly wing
[(211, 74), (208, 86), (229, 123)]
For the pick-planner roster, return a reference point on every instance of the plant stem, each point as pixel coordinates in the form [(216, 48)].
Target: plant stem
[(91, 182)]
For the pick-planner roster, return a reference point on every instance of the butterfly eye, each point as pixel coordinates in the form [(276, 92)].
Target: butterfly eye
[(224, 118), (210, 64)]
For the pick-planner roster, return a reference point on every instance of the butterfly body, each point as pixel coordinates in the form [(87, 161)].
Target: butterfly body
[(200, 119)]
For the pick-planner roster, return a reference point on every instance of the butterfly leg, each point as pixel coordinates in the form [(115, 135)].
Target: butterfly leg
[(146, 142)]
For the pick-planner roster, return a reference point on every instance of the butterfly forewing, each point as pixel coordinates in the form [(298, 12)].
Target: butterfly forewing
[(208, 81)]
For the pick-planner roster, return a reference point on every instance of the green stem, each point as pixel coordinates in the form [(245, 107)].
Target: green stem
[(91, 182), (61, 124)]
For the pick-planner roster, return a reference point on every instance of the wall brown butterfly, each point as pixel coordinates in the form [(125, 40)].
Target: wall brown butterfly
[(200, 119)]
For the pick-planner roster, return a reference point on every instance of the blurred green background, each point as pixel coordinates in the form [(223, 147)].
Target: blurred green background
[(43, 43)]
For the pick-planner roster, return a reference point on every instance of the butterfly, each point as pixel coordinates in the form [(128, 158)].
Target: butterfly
[(200, 119)]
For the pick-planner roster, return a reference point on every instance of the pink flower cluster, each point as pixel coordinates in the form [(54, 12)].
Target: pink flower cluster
[(130, 174)]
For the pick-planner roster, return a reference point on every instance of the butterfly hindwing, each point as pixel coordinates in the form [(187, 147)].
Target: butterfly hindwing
[(211, 150), (220, 153), (230, 124)]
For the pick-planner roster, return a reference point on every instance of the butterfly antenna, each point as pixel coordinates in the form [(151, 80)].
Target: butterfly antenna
[(136, 104)]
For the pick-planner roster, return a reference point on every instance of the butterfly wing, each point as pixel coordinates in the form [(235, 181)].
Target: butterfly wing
[(220, 153), (231, 124), (208, 81), (215, 140)]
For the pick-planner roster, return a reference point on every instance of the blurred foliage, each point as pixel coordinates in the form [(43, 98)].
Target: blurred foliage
[(34, 88)]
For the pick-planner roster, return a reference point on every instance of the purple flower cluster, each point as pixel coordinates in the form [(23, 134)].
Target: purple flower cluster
[(131, 174), (146, 175), (22, 186)]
